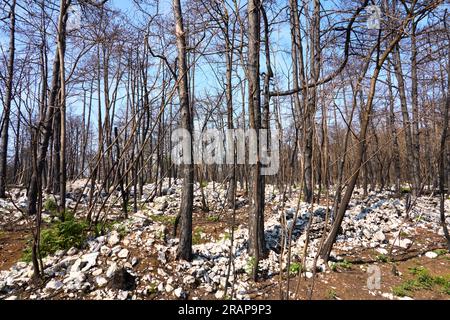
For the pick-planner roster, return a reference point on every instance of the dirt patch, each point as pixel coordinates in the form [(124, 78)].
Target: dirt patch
[(351, 284), (12, 244)]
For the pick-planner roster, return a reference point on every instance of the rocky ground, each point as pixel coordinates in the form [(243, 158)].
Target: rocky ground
[(136, 258)]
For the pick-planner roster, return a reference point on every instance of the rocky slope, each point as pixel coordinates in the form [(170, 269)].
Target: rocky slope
[(135, 260)]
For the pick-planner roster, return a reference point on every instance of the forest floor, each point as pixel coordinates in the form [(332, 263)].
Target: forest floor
[(135, 258)]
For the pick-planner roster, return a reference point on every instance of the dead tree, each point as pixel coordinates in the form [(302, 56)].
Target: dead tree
[(185, 247), (8, 99), (256, 244)]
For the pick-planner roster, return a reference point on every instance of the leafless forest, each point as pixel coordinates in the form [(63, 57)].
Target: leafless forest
[(342, 192)]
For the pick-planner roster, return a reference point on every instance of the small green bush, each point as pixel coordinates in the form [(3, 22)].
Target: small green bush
[(405, 289), (164, 219), (382, 258), (423, 280), (50, 205), (197, 236), (440, 252), (331, 294), (345, 264), (404, 190), (295, 268), (61, 235), (333, 266), (250, 265), (213, 218)]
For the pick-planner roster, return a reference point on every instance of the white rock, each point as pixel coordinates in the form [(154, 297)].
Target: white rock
[(123, 253), (379, 236), (188, 280), (101, 282), (90, 259), (367, 233), (111, 270), (122, 295), (169, 288), (105, 250), (97, 272), (114, 238), (54, 285), (11, 298), (76, 276), (72, 251), (220, 294), (116, 249), (403, 243), (179, 293), (431, 255)]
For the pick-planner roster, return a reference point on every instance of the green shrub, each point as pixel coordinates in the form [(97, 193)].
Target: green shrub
[(197, 236), (295, 268), (164, 219), (440, 252), (331, 294), (422, 280), (404, 289), (251, 262), (103, 228), (213, 218), (61, 235), (382, 258), (404, 190), (50, 205), (345, 264), (333, 266)]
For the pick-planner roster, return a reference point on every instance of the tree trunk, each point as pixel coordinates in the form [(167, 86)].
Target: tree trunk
[(325, 251), (406, 122), (256, 246), (8, 99), (185, 246)]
